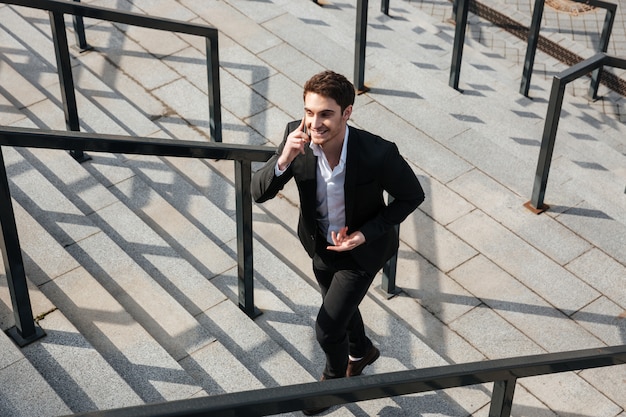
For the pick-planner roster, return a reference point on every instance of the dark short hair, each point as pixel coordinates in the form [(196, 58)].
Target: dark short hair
[(333, 85)]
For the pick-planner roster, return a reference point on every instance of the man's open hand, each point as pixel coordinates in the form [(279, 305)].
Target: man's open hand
[(342, 241)]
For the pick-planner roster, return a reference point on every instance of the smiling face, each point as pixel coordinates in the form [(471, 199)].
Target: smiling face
[(325, 122)]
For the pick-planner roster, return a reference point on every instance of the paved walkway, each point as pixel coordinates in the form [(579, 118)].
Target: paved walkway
[(573, 26), (132, 260)]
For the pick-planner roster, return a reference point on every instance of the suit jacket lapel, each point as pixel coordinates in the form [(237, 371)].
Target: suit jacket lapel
[(310, 164)]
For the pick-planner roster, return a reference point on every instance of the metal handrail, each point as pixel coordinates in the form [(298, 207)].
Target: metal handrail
[(25, 330), (57, 9), (460, 15), (460, 12), (559, 83), (79, 32), (269, 401), (360, 44), (533, 39)]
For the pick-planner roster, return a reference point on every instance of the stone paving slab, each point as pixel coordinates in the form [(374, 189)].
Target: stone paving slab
[(234, 24), (525, 405), (40, 196), (522, 307), (435, 291), (604, 272), (589, 221), (79, 374), (185, 237), (545, 234), (23, 391), (608, 381), (422, 150), (162, 261), (428, 237), (561, 288), (141, 361), (141, 295), (289, 29), (129, 274), (561, 27), (574, 395)]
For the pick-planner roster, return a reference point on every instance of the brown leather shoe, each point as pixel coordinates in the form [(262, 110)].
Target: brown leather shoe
[(355, 368)]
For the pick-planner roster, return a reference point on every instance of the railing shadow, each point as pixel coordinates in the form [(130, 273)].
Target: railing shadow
[(57, 10), (242, 155)]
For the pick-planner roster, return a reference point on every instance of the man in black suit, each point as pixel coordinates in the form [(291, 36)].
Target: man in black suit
[(345, 226)]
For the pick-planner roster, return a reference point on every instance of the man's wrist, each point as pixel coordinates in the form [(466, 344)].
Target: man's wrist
[(278, 171)]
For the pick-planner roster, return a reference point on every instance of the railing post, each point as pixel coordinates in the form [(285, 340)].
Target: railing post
[(64, 69), (607, 28), (388, 283), (547, 146), (384, 7), (459, 40), (359, 47), (215, 104), (531, 48), (502, 398), (25, 330), (455, 6), (79, 31), (245, 269)]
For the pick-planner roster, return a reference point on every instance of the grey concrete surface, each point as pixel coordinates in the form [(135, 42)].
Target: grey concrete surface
[(131, 260)]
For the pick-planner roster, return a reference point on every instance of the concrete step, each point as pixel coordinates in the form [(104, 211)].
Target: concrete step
[(111, 264), (121, 276), (76, 282), (485, 76), (126, 344), (518, 112), (286, 295), (23, 390), (84, 376)]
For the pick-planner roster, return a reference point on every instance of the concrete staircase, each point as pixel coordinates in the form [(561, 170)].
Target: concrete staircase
[(132, 259)]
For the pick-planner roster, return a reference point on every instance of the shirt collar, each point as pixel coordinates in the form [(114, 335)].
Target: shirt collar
[(317, 150)]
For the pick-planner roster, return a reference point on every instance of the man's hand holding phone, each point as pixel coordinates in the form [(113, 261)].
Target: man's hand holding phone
[(296, 141)]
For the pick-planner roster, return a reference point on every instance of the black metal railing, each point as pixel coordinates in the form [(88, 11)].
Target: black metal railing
[(360, 43), (553, 115), (460, 15), (533, 39), (57, 9), (460, 11), (79, 32), (25, 330), (504, 374)]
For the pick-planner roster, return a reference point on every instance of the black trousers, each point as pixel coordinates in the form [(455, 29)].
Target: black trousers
[(339, 326)]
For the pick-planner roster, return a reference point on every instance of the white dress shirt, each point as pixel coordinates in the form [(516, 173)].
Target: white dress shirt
[(331, 202)]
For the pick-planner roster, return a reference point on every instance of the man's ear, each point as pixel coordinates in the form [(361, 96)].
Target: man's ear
[(347, 113)]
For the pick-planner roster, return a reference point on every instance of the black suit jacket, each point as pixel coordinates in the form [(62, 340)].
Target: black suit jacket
[(373, 165)]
